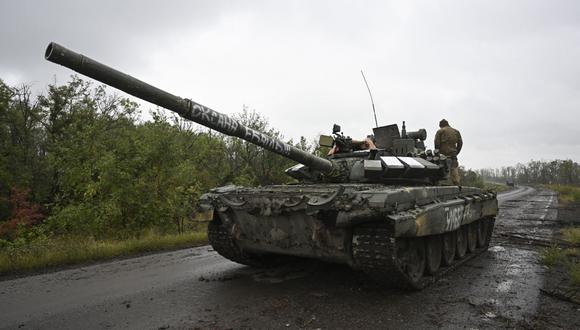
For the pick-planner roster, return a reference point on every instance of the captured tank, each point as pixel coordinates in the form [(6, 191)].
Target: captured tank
[(376, 205)]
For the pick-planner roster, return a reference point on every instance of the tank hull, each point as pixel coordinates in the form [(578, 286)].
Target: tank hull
[(393, 233)]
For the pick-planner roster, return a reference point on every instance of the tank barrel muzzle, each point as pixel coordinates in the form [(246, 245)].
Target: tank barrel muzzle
[(186, 108)]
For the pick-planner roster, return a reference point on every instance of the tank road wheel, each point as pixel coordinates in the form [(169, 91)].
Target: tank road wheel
[(461, 245), (222, 243), (411, 257), (482, 232), (448, 247), (433, 247), (471, 237)]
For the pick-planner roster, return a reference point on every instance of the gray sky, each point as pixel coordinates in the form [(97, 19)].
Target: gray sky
[(505, 73)]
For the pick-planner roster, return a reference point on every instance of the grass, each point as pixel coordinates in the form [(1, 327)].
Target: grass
[(565, 257), (497, 187), (553, 256), (67, 251), (566, 193), (575, 273), (572, 235)]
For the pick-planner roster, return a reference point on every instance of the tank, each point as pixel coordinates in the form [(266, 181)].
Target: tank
[(380, 205)]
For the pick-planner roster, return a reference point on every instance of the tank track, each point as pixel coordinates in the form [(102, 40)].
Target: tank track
[(222, 243), (374, 252)]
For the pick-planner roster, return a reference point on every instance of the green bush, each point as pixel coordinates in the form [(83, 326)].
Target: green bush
[(552, 256), (470, 178)]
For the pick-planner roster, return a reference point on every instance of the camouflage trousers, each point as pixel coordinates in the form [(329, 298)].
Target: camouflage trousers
[(454, 175)]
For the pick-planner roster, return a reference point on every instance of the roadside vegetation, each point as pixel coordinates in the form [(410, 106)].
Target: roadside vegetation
[(83, 178), (567, 256), (497, 187), (60, 251), (472, 178), (566, 193)]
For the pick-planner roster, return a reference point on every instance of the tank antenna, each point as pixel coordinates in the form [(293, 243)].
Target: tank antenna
[(371, 95)]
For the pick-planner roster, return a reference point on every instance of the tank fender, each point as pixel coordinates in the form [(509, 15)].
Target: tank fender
[(320, 201), (439, 218), (354, 217)]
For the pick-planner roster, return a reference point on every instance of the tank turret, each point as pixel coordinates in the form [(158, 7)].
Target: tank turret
[(393, 157)]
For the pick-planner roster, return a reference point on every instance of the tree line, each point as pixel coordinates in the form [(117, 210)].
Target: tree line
[(80, 161), (566, 172)]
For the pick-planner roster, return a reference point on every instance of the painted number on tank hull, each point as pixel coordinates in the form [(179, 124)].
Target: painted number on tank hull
[(453, 217)]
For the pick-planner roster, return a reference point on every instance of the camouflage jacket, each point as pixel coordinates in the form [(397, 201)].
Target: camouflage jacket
[(448, 141)]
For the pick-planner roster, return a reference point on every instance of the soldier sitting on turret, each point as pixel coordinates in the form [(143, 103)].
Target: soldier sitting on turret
[(365, 144), (448, 141), (353, 145)]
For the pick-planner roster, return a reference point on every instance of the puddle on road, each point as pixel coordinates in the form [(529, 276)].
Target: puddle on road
[(504, 286), (506, 289), (497, 248), (518, 282), (514, 270)]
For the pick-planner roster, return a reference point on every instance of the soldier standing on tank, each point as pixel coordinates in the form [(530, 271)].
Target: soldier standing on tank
[(448, 141)]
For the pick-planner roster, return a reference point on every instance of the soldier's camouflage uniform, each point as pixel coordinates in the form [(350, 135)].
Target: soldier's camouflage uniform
[(448, 141)]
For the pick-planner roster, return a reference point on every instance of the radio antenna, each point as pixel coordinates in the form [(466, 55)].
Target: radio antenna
[(371, 95)]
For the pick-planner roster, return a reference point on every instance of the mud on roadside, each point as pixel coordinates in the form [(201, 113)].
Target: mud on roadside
[(559, 305)]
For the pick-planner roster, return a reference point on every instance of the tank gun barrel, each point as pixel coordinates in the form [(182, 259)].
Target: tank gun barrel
[(186, 108)]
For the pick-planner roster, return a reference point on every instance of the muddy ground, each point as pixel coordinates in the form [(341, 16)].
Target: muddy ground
[(196, 288), (560, 301)]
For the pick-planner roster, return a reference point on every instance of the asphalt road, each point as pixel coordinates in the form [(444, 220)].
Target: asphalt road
[(196, 288)]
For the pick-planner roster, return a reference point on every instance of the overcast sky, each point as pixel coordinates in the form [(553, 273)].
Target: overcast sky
[(505, 73)]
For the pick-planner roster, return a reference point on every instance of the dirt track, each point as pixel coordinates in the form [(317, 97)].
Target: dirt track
[(196, 288)]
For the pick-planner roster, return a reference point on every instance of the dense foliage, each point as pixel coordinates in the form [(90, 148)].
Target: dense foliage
[(77, 161), (470, 178)]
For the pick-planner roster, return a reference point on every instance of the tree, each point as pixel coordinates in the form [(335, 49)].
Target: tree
[(537, 172), (22, 147), (24, 214), (252, 165)]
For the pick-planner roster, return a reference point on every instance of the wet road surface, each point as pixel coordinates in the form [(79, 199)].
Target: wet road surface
[(196, 288)]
